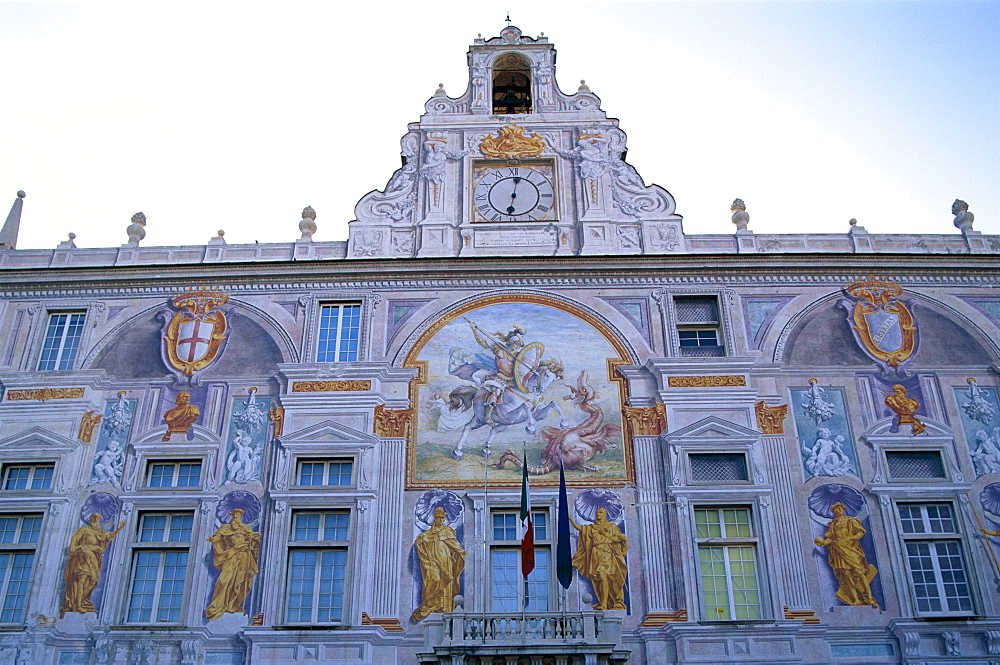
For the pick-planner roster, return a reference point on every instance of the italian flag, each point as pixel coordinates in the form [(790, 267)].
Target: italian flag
[(526, 530)]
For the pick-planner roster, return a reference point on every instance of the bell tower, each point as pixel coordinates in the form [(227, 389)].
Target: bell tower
[(514, 167)]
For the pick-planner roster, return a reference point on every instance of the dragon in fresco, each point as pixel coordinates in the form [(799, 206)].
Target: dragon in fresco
[(575, 445)]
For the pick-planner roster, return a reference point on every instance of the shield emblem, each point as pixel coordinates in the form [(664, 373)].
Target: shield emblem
[(195, 337), (883, 326), (885, 330), (526, 365)]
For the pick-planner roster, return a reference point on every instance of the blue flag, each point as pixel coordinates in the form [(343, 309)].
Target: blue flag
[(564, 558)]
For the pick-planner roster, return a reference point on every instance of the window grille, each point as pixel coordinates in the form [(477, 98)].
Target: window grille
[(718, 467), (911, 465)]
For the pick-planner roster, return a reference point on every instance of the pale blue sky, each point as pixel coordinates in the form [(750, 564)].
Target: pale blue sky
[(226, 115)]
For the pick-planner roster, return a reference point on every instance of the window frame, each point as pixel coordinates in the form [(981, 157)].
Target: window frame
[(33, 465), (137, 546), (715, 326), (13, 549), (956, 536), (61, 351), (322, 545), (338, 340), (326, 462), (546, 545), (726, 543), (177, 462)]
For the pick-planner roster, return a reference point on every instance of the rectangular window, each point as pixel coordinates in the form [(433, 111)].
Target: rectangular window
[(317, 566), (510, 589), (18, 539), (62, 340), (698, 326), (320, 472), (727, 560), (159, 567), (339, 332), (915, 465), (28, 476), (179, 473), (935, 559)]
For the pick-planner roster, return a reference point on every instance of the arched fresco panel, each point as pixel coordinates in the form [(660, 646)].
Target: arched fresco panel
[(513, 377)]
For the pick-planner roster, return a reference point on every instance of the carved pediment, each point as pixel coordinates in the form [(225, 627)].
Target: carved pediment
[(327, 432), (714, 428), (155, 435), (38, 441)]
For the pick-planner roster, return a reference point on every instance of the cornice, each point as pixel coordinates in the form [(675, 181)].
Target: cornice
[(577, 272)]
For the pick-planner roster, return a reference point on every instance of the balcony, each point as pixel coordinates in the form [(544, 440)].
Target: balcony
[(533, 638)]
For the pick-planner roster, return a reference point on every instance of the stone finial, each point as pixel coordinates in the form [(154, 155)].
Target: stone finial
[(741, 218), (136, 230), (8, 234), (583, 86), (853, 222), (219, 238), (440, 91), (308, 224), (68, 244), (963, 218)]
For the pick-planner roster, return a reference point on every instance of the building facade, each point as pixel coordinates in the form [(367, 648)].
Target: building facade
[(777, 448)]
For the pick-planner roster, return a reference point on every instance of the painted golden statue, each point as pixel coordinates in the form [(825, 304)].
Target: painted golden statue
[(442, 561), (600, 557), (843, 549), (180, 418), (235, 550), (83, 568), (904, 407)]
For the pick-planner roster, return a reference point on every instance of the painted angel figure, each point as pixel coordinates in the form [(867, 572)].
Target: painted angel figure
[(986, 456), (826, 457), (591, 152), (978, 408), (108, 465), (816, 406), (435, 158)]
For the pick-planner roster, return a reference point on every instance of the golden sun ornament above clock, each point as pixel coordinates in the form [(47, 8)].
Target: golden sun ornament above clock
[(515, 190)]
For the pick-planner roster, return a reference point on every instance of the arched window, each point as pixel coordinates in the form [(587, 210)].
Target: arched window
[(511, 84)]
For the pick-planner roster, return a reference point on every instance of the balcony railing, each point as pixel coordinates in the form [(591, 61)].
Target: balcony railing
[(566, 634)]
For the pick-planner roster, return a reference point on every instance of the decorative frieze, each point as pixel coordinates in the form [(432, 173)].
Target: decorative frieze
[(706, 381), (43, 394), (660, 619), (330, 386)]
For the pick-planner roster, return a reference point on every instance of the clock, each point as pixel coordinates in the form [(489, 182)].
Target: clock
[(513, 191)]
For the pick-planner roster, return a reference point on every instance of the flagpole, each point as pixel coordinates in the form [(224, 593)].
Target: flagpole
[(487, 573)]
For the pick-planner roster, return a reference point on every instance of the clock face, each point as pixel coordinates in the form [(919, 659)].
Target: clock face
[(514, 193)]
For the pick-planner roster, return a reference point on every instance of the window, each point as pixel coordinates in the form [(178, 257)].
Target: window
[(509, 587), (159, 567), (319, 472), (18, 539), (182, 473), (511, 84), (718, 467), (934, 556), (317, 566), (727, 563), (28, 476), (698, 326), (915, 465), (339, 331), (62, 339)]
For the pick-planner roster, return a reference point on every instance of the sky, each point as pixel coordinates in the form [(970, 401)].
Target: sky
[(235, 115)]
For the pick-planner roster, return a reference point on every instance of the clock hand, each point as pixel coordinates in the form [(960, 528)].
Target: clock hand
[(513, 196)]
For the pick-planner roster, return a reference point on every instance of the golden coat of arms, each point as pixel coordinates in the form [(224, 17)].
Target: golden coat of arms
[(883, 326), (195, 335), (512, 143)]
